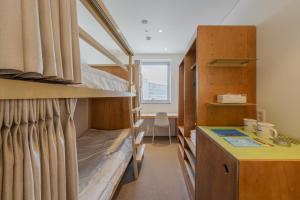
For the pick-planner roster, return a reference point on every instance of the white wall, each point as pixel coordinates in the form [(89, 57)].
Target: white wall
[(175, 60), (278, 69)]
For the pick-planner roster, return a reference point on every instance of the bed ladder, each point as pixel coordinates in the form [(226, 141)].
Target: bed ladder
[(135, 117)]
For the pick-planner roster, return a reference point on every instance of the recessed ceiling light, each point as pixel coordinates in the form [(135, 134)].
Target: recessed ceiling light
[(144, 21), (146, 31), (148, 37), (160, 31)]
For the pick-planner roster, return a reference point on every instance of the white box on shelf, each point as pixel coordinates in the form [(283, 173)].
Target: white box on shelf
[(232, 98)]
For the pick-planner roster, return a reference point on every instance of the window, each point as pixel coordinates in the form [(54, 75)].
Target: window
[(155, 82)]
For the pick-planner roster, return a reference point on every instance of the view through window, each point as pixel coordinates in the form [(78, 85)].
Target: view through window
[(155, 82)]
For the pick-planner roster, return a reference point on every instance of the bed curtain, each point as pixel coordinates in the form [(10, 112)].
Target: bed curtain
[(38, 158), (40, 39)]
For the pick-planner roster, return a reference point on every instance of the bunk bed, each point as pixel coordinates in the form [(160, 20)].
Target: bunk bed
[(112, 125), (103, 156)]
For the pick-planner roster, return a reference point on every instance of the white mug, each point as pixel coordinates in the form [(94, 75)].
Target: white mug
[(250, 125), (266, 130)]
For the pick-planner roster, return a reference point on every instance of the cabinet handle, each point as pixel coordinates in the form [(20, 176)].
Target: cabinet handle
[(226, 169)]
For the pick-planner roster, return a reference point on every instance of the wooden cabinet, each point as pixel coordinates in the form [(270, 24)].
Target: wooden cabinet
[(219, 60), (223, 176), (217, 171)]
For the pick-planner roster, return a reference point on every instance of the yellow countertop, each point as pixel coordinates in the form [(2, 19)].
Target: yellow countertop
[(264, 152)]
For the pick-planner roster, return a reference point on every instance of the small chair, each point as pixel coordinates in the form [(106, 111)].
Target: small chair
[(162, 121)]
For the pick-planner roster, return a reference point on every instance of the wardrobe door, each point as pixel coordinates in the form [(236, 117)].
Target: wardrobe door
[(216, 171)]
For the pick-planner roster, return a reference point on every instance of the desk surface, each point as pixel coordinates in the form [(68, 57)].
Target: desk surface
[(257, 153), (152, 115)]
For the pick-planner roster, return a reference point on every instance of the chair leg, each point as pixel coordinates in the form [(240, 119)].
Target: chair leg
[(153, 130), (170, 135)]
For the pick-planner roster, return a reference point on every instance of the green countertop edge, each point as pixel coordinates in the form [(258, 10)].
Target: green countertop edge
[(254, 153)]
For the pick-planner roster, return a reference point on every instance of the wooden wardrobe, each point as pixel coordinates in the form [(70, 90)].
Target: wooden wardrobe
[(219, 60)]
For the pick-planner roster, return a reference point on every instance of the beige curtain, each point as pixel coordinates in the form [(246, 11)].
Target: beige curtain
[(38, 150), (40, 39)]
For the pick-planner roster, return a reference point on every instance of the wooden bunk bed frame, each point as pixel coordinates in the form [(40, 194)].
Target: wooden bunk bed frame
[(124, 108)]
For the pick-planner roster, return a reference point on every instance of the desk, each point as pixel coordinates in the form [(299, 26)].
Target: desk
[(152, 115), (149, 119)]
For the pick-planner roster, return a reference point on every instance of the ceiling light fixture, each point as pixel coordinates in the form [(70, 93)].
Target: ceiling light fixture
[(144, 21), (160, 31)]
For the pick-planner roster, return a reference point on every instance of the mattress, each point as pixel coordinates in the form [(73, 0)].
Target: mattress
[(103, 157), (95, 78)]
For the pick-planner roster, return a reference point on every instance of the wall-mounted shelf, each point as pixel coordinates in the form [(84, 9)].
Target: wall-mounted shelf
[(231, 104), (231, 62)]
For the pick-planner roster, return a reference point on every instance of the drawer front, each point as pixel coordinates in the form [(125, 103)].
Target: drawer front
[(216, 176)]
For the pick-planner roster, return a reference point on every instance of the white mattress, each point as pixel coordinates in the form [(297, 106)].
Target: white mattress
[(102, 158), (94, 78)]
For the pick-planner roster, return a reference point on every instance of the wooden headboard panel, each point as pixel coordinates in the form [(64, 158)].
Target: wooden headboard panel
[(113, 69), (109, 113)]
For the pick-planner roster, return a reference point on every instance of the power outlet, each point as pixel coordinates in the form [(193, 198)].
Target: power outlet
[(261, 115)]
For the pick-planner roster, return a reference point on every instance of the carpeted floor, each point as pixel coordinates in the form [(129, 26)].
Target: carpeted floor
[(160, 176)]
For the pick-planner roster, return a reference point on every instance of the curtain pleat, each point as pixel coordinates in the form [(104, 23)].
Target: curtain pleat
[(40, 39), (11, 42), (32, 51), (67, 114), (38, 150)]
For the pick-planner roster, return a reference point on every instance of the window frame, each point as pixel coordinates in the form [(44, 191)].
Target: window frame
[(157, 62)]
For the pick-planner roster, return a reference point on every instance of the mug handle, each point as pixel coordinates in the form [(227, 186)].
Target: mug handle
[(275, 132)]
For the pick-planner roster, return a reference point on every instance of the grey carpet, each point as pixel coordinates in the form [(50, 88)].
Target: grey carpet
[(160, 175)]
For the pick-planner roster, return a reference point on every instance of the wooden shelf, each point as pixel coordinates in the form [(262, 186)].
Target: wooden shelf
[(231, 104), (18, 89), (191, 145), (181, 151), (193, 66), (181, 130), (231, 62), (191, 159), (140, 152), (190, 173), (181, 139)]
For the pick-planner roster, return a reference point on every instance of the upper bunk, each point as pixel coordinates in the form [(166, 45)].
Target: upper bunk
[(105, 57)]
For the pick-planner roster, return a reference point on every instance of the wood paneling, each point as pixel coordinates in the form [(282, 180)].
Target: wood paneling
[(225, 42), (189, 92), (109, 113), (216, 171), (269, 180), (181, 96)]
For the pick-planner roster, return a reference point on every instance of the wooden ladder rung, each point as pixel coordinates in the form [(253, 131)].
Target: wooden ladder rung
[(138, 123), (140, 152), (139, 138), (136, 109)]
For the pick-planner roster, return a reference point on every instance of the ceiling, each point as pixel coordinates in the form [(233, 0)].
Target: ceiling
[(177, 19)]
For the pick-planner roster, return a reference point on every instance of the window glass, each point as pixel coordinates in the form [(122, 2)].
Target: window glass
[(155, 82)]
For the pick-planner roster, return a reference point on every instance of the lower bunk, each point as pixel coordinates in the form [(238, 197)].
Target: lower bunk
[(103, 157)]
